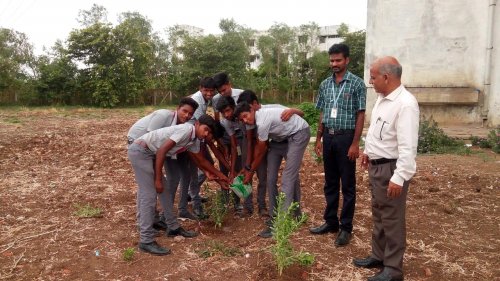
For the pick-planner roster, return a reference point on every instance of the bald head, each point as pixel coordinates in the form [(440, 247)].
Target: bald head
[(389, 65), (385, 75)]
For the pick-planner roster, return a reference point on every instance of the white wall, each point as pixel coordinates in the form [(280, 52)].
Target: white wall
[(439, 44)]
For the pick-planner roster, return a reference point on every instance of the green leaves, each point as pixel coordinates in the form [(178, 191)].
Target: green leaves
[(284, 225)]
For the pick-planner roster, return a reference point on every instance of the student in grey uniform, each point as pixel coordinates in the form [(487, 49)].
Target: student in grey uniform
[(226, 106), (203, 97), (278, 152), (270, 126), (160, 119), (225, 89), (147, 155)]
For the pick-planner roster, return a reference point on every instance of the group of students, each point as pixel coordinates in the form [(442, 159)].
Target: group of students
[(254, 139), (250, 137)]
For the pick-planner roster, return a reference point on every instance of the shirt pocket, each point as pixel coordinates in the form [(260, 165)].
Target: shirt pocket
[(380, 129), (346, 100)]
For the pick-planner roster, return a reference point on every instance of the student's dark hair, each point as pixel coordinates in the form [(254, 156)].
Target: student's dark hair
[(339, 48), (248, 96), (219, 130), (208, 120), (189, 101), (220, 79), (224, 102), (207, 82), (240, 108)]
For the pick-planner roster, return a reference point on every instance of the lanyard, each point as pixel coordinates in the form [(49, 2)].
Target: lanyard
[(337, 95)]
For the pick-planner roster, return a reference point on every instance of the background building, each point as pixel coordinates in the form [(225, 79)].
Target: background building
[(447, 49)]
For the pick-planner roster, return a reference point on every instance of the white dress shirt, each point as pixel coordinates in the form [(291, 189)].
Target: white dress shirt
[(393, 132)]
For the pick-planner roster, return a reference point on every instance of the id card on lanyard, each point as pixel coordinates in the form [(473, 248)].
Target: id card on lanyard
[(334, 111)]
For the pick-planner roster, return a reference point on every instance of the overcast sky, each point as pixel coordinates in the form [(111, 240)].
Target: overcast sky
[(45, 21)]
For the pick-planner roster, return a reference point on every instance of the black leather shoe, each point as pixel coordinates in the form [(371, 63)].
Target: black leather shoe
[(343, 238), (384, 276), (204, 199), (187, 215), (154, 249), (266, 233), (200, 214), (368, 262), (160, 225), (324, 228), (182, 232)]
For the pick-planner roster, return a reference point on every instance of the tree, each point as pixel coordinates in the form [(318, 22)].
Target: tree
[(356, 42), (57, 81), (17, 65)]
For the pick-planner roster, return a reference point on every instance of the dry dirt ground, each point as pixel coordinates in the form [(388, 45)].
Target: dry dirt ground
[(54, 159)]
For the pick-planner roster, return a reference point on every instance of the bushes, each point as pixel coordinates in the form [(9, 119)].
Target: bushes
[(491, 141), (432, 139), (311, 114)]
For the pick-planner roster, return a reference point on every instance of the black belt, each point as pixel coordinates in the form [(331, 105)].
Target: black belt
[(334, 132), (283, 141), (381, 161)]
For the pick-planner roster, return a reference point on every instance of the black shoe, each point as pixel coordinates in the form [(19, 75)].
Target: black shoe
[(160, 225), (187, 215), (324, 228), (154, 249), (368, 262), (204, 199), (182, 232), (384, 276), (343, 238), (263, 212), (266, 233), (199, 214)]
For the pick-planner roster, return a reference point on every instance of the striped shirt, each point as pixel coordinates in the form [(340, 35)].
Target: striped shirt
[(344, 100)]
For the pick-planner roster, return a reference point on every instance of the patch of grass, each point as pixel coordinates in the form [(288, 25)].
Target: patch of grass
[(13, 120), (317, 159), (284, 225), (87, 211), (211, 248), (128, 254)]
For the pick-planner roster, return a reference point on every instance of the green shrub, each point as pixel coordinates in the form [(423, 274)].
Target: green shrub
[(217, 208), (311, 115), (494, 140), (284, 225), (481, 142), (128, 254), (432, 139), (87, 211)]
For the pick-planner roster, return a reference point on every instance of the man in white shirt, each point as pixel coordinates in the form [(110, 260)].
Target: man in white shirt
[(390, 152)]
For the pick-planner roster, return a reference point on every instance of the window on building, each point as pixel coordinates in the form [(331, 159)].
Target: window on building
[(302, 39), (251, 43), (322, 39)]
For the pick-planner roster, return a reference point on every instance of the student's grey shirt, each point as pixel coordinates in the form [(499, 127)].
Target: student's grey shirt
[(230, 126), (270, 126), (202, 106), (183, 135), (274, 105), (158, 119), (235, 94)]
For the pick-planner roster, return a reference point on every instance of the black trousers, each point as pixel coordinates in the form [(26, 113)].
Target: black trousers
[(339, 169)]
